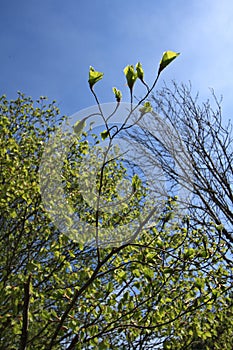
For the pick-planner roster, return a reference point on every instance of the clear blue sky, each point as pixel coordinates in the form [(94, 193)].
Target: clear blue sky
[(47, 46)]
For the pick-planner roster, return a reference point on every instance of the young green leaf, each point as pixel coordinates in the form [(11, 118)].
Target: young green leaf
[(146, 108), (104, 134), (140, 71), (167, 58), (131, 76), (135, 182), (94, 76), (117, 94), (79, 126)]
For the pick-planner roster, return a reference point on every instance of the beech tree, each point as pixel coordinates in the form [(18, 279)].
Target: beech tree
[(164, 285)]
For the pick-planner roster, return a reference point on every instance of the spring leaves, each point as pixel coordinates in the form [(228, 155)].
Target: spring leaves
[(94, 76), (132, 73), (167, 58)]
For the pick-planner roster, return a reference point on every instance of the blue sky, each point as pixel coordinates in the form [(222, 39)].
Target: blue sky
[(48, 46)]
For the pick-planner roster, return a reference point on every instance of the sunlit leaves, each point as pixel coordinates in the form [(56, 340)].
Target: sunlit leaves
[(146, 108), (167, 58), (79, 126), (140, 71), (167, 284), (117, 93), (104, 134), (131, 76), (94, 77)]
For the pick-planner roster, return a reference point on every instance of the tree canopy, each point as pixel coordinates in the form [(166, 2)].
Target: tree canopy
[(167, 286)]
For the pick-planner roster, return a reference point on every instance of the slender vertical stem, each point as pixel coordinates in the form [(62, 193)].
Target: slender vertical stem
[(26, 305)]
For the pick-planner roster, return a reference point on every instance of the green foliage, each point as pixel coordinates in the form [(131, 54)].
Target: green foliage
[(146, 108), (131, 76), (168, 288), (117, 93), (79, 126), (167, 58), (140, 71), (94, 77), (104, 134)]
